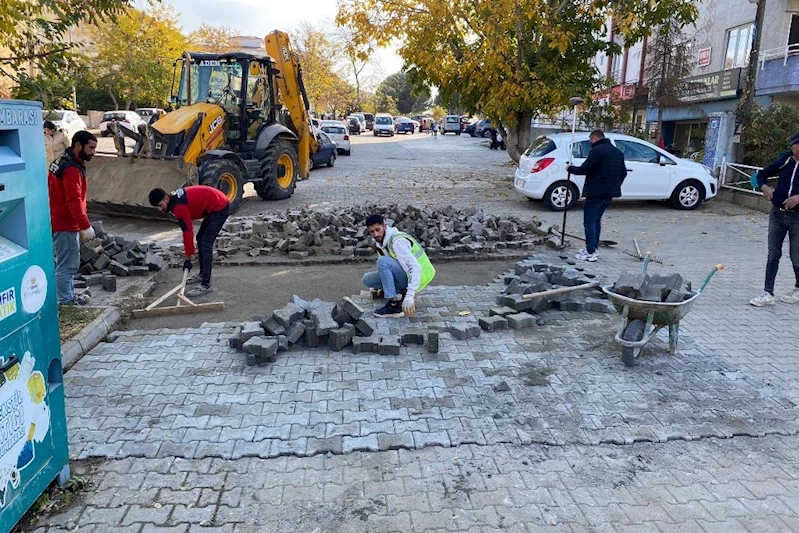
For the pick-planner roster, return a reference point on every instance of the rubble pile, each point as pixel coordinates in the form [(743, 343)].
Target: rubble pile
[(533, 275), (653, 287), (301, 233), (105, 257), (319, 323)]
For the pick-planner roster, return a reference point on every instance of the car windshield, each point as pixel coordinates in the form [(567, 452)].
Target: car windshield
[(114, 115), (402, 119), (453, 119), (540, 147), (144, 112), (333, 129), (53, 115), (212, 80), (383, 120)]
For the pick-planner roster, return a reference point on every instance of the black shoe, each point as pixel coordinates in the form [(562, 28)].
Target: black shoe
[(392, 309)]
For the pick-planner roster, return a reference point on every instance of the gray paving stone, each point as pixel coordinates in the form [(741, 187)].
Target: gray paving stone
[(492, 323)]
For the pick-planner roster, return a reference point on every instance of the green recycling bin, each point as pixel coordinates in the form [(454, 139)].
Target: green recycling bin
[(33, 425)]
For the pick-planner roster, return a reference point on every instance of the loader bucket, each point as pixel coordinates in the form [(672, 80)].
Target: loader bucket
[(120, 185)]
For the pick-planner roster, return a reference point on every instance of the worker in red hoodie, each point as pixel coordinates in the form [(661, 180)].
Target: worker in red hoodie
[(66, 183), (194, 203)]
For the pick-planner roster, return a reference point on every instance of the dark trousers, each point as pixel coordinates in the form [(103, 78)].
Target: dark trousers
[(209, 229), (780, 224), (593, 209)]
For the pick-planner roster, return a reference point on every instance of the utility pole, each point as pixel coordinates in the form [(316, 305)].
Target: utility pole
[(748, 95)]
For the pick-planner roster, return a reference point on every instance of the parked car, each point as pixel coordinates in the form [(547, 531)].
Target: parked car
[(652, 173), (331, 122), (362, 118), (452, 124), (425, 123), (326, 154), (404, 125), (65, 120), (483, 128), (370, 121), (339, 135), (129, 119), (354, 125), (469, 129), (384, 125), (150, 114)]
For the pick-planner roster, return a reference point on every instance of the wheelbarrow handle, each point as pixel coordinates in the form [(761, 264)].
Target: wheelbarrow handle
[(710, 275), (647, 258)]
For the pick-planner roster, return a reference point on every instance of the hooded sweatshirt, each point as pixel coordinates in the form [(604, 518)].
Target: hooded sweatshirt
[(402, 249)]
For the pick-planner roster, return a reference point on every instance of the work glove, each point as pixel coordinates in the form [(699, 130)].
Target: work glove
[(88, 234), (187, 265), (409, 306)]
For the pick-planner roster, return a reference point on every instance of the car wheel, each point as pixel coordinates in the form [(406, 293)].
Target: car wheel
[(348, 152), (374, 133), (486, 134), (457, 133), (472, 134), (561, 195), (332, 160), (688, 195)]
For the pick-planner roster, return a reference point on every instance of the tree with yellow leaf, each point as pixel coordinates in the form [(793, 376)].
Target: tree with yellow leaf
[(510, 60), (135, 57), (216, 39), (318, 57)]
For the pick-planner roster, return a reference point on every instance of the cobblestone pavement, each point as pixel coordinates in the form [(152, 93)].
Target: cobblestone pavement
[(179, 435)]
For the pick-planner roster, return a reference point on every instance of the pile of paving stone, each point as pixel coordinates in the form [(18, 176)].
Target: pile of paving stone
[(301, 233), (321, 324), (653, 287), (533, 275), (105, 257)]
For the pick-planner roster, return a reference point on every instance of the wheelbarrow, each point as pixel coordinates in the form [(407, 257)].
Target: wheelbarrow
[(641, 320)]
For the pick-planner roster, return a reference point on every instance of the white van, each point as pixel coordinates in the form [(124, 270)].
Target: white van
[(384, 125), (452, 124)]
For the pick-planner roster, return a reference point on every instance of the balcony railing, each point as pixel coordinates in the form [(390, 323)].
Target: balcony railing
[(776, 53)]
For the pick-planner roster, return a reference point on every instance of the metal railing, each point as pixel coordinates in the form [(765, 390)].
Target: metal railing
[(737, 176), (775, 53)]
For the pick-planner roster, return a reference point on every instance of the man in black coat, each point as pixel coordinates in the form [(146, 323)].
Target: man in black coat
[(604, 172)]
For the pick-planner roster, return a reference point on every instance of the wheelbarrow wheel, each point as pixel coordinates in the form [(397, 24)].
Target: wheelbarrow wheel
[(634, 332)]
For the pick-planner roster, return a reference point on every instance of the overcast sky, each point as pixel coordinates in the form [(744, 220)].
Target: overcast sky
[(259, 17)]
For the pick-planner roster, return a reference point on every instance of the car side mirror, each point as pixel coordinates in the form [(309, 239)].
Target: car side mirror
[(663, 161)]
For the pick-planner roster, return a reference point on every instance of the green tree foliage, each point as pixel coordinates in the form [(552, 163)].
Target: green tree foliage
[(54, 92), (34, 34), (770, 132), (135, 59), (216, 39), (405, 95), (511, 60)]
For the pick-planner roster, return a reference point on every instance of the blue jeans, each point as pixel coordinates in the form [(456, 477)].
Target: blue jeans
[(67, 261), (390, 277), (593, 209), (780, 224)]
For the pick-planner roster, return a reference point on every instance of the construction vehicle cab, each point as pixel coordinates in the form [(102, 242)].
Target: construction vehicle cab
[(228, 128)]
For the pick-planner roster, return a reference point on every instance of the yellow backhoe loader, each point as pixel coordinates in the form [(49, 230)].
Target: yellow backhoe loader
[(229, 128)]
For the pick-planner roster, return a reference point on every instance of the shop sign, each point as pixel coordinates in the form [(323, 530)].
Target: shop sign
[(8, 303), (704, 57), (713, 86)]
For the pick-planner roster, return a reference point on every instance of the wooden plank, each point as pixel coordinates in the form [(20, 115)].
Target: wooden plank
[(182, 310), (169, 293), (185, 300), (561, 290)]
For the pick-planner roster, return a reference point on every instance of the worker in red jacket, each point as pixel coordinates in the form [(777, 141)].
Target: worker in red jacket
[(193, 203), (66, 183)]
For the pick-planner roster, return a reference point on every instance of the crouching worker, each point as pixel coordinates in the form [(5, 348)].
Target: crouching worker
[(194, 203), (403, 269)]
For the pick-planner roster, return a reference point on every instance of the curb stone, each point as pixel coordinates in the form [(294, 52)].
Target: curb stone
[(90, 336)]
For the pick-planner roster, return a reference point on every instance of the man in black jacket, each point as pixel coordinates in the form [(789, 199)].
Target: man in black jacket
[(604, 172), (783, 220)]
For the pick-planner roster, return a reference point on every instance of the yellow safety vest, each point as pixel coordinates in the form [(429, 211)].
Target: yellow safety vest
[(428, 270)]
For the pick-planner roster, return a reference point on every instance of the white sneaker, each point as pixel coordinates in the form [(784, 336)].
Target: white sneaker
[(583, 255), (764, 300), (792, 297)]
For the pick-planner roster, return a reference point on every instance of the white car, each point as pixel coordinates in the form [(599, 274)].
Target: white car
[(69, 122), (149, 114), (331, 123), (338, 134), (129, 119), (384, 125), (652, 173)]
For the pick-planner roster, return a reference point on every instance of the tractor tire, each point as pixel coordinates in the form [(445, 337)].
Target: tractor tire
[(226, 176), (279, 171)]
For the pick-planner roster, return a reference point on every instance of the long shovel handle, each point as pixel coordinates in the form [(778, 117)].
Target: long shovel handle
[(647, 258), (561, 290), (710, 275)]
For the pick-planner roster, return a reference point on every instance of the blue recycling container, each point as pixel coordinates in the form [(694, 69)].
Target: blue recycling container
[(33, 426)]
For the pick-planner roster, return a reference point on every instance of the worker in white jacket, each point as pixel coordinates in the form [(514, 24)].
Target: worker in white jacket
[(403, 268)]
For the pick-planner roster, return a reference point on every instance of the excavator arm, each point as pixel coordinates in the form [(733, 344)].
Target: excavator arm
[(292, 92)]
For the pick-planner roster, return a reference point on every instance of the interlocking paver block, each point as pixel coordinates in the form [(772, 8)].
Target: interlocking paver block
[(339, 338), (322, 315), (288, 314), (501, 311), (464, 331), (351, 308), (433, 341), (365, 344), (389, 345), (521, 320), (412, 336), (250, 330), (492, 323), (272, 327), (364, 328), (295, 331)]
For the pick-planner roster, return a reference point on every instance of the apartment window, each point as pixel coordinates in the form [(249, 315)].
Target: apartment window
[(739, 43), (793, 34)]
